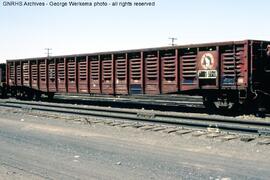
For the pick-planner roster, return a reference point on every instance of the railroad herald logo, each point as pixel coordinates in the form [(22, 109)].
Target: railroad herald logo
[(207, 61)]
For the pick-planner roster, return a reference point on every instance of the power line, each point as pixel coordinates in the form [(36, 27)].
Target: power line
[(172, 41), (48, 51)]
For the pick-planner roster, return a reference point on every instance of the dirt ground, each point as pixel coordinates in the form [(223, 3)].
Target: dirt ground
[(35, 147)]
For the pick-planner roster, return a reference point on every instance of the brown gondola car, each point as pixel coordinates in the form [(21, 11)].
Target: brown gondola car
[(3, 80), (224, 73)]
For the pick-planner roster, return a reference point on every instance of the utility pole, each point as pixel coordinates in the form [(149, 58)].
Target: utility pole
[(172, 41), (48, 51)]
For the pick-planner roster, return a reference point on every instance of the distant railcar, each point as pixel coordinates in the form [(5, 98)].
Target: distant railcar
[(225, 73), (3, 88)]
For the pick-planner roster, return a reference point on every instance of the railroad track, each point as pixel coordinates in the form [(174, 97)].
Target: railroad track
[(251, 126)]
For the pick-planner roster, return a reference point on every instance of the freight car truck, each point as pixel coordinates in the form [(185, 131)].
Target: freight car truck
[(226, 74)]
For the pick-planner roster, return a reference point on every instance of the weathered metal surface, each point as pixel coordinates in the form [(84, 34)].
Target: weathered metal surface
[(83, 74), (72, 75), (2, 73), (10, 74), (151, 71), (42, 75), (61, 75), (52, 75), (234, 66), (34, 75), (95, 74), (188, 69), (121, 74), (26, 74), (136, 73), (107, 72), (169, 71)]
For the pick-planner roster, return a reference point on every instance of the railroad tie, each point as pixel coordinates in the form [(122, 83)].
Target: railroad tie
[(214, 135), (147, 127), (199, 133), (247, 138), (264, 141), (171, 130), (229, 137), (183, 131), (158, 129)]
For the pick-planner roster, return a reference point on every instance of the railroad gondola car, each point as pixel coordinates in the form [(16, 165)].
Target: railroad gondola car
[(226, 74)]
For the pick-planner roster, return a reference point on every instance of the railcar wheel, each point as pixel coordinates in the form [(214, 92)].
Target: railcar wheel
[(27, 95), (50, 96), (1, 92), (30, 95), (24, 94), (18, 94), (4, 91), (260, 103), (37, 96), (209, 103), (13, 92)]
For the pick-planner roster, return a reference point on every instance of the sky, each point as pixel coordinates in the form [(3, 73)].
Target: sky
[(27, 31)]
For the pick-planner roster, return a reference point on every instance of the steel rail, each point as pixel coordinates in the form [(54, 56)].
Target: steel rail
[(192, 121)]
